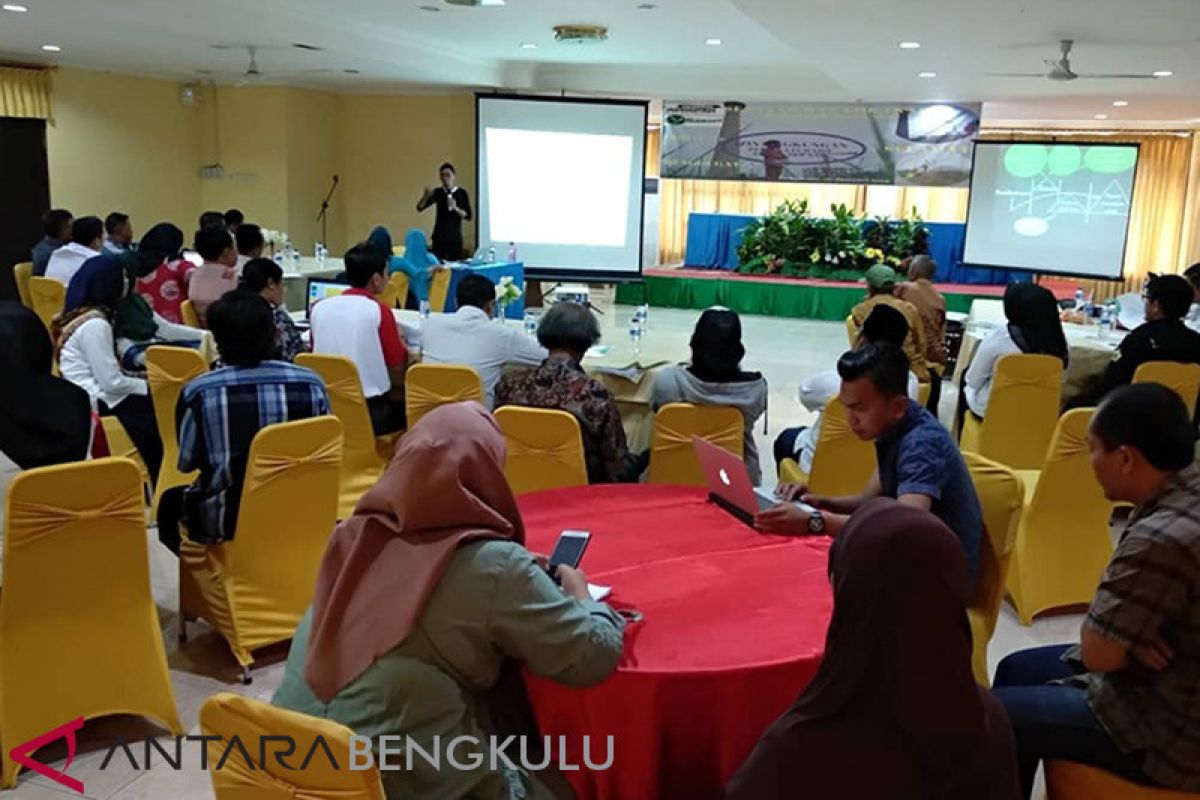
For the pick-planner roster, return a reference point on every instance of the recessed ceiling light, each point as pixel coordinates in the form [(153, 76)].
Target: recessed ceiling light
[(492, 2), (1102, 116), (910, 45), (1163, 73), (1120, 103), (15, 8), (431, 9), (713, 42), (647, 7), (52, 48), (926, 74), (528, 46)]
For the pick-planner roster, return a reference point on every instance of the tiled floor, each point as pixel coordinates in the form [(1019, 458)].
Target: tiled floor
[(785, 350)]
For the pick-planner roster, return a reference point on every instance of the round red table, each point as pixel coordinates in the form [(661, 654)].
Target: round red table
[(733, 630)]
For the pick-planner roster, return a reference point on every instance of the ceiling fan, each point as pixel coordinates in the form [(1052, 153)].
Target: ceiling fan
[(253, 73), (1060, 70)]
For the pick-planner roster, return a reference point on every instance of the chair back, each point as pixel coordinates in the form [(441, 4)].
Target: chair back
[(1183, 379), (187, 312), (227, 715), (427, 386), (21, 274), (545, 449), (842, 463), (1002, 495), (1022, 411), (46, 298), (439, 289), (78, 639), (168, 370), (399, 250), (1069, 780), (395, 294), (672, 454), (851, 331)]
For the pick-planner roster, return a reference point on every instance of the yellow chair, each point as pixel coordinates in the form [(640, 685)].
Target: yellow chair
[(79, 631), (168, 370), (255, 588), (228, 715), (21, 274), (851, 331), (121, 446), (188, 312), (1021, 413), (399, 250), (1002, 495), (439, 288), (1066, 780), (395, 294), (1063, 542), (842, 463), (427, 386), (46, 298), (1183, 379), (672, 455), (362, 464), (545, 449)]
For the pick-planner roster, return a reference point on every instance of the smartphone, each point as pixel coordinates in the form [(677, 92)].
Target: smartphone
[(569, 549)]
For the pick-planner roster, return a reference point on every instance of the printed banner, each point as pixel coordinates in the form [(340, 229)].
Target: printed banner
[(905, 144)]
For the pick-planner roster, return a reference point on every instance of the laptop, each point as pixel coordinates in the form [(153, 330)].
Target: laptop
[(319, 290), (729, 483)]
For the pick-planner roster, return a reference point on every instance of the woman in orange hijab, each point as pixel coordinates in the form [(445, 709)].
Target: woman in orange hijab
[(423, 596)]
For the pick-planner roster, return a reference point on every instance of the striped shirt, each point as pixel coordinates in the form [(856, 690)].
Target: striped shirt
[(218, 415)]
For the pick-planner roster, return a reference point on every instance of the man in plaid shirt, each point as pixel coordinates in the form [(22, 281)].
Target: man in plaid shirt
[(1127, 698), (219, 414)]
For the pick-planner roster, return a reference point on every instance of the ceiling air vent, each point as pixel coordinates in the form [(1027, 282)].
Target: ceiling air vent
[(580, 34)]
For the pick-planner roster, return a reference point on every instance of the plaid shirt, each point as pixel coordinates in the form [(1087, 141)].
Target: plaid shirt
[(1152, 587), (217, 417)]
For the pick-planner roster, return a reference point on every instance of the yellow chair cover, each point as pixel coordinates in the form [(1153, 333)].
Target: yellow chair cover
[(228, 715), (1002, 495), (790, 472), (843, 463), (255, 588), (427, 386), (188, 312), (46, 298), (399, 250), (79, 632), (1183, 379), (361, 462), (168, 370), (121, 446), (396, 292), (1021, 413), (439, 289), (545, 449), (672, 455), (21, 274), (923, 392), (1066, 780), (1063, 542), (851, 331)]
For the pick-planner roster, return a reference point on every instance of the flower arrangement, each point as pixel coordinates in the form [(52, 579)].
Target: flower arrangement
[(275, 240), (507, 291)]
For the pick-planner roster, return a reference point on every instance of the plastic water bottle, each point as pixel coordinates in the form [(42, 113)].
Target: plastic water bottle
[(295, 260), (492, 255), (278, 259), (635, 335), (531, 324), (320, 255), (1106, 322), (512, 252), (426, 309), (1079, 299), (643, 312)]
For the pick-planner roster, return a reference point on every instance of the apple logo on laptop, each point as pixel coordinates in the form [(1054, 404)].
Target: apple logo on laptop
[(725, 478)]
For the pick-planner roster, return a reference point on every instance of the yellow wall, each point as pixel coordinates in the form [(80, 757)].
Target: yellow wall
[(314, 156)]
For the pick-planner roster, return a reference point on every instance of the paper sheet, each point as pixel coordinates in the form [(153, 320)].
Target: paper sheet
[(1132, 312), (598, 592)]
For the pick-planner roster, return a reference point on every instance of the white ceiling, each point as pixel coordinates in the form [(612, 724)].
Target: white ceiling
[(811, 50)]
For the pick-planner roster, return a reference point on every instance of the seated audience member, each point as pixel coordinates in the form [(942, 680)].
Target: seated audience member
[(427, 598), (885, 325), (220, 412), (44, 419), (1192, 320), (85, 336), (56, 226), (263, 277), (568, 330), (931, 306), (417, 262), (715, 378), (356, 325), (211, 219), (1125, 699), (234, 218), (919, 463), (881, 286), (218, 274), (118, 233), (87, 241), (894, 711), (1033, 327), (469, 337), (250, 244), (1163, 337), (165, 287)]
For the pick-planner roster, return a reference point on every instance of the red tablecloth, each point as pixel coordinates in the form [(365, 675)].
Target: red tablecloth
[(734, 629)]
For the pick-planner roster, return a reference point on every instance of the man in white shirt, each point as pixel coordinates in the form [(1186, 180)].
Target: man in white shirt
[(87, 237), (470, 337), (1192, 320)]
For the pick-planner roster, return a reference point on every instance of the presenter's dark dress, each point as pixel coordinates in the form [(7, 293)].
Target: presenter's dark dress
[(447, 231)]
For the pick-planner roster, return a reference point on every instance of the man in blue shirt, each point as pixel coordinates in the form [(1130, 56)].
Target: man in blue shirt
[(219, 414), (919, 463)]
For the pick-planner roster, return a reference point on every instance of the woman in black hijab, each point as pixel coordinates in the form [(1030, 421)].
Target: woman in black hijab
[(1033, 320), (44, 420), (894, 711)]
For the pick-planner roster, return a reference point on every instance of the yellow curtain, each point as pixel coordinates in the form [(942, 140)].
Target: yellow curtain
[(653, 151), (25, 92)]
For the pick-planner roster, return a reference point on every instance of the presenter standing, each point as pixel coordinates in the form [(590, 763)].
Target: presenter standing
[(453, 206)]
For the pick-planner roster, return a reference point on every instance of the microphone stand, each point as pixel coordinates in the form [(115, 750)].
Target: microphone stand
[(323, 217)]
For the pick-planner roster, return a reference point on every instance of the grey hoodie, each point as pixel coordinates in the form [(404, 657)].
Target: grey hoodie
[(678, 385)]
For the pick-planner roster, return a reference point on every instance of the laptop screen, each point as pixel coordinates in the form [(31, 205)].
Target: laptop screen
[(319, 290)]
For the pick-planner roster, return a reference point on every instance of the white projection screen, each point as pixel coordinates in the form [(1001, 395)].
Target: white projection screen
[(1060, 208), (562, 179)]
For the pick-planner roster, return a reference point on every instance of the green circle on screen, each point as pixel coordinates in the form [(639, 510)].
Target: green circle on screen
[(1025, 160), (1065, 160), (1110, 159)]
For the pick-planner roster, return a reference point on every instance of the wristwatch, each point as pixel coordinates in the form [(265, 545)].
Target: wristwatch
[(816, 523)]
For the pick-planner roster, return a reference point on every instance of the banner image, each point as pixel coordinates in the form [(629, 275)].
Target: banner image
[(904, 144)]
